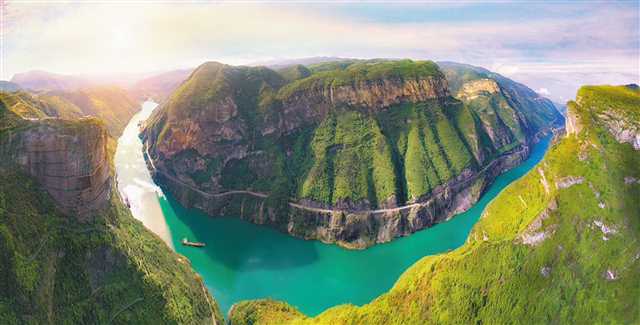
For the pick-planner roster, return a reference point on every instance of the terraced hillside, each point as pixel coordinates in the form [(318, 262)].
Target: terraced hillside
[(70, 251), (561, 245), (354, 152)]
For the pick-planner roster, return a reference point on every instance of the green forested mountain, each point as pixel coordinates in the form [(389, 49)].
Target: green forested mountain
[(70, 251), (561, 245), (350, 136)]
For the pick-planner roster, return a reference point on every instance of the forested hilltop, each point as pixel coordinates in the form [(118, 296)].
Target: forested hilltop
[(354, 152)]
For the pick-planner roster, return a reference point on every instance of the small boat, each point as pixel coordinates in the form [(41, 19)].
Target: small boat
[(185, 242)]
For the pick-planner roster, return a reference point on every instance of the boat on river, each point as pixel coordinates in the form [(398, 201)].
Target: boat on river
[(185, 242)]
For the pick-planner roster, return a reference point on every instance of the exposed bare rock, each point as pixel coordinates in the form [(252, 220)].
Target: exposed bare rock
[(545, 271), (475, 88), (373, 94), (610, 275), (624, 130), (533, 236), (631, 180), (573, 124), (543, 179), (607, 230), (68, 158), (569, 181)]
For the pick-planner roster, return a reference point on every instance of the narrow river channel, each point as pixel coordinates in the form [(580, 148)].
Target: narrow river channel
[(245, 261)]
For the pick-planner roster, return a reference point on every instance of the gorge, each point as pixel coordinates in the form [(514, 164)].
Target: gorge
[(246, 261), (354, 153)]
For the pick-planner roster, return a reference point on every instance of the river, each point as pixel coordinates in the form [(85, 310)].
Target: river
[(245, 261)]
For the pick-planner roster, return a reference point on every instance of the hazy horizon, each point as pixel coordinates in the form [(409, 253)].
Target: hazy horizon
[(551, 47)]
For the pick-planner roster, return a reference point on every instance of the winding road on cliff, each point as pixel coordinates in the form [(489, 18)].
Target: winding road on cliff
[(437, 191)]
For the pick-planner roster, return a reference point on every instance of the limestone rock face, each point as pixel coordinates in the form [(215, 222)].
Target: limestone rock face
[(624, 130), (475, 88), (372, 94), (314, 103), (68, 158), (573, 125)]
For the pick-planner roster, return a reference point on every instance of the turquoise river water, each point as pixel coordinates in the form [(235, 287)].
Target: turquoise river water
[(245, 261)]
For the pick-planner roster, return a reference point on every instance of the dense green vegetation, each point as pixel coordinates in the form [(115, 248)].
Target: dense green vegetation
[(58, 269), (294, 72), (109, 270), (582, 265), (348, 156), (616, 98), (351, 160), (428, 143)]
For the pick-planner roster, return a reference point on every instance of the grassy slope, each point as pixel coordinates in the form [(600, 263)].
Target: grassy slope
[(494, 278)]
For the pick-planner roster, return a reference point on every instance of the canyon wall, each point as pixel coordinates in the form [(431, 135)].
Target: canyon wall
[(68, 159), (356, 156)]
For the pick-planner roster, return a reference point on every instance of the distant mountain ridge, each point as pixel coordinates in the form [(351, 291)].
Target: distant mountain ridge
[(43, 80), (159, 86)]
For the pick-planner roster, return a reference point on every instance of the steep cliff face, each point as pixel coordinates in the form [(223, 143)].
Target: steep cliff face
[(70, 251), (556, 246), (68, 159), (624, 125), (322, 153)]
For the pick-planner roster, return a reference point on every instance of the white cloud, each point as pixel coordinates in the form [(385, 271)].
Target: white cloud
[(135, 37), (544, 91)]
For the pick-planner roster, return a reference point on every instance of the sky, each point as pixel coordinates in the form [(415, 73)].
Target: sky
[(553, 47)]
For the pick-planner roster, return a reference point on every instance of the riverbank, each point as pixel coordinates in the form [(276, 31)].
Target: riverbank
[(244, 261)]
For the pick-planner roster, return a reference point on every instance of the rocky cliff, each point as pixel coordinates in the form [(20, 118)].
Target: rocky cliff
[(624, 125), (68, 159), (553, 247), (353, 153), (70, 251)]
